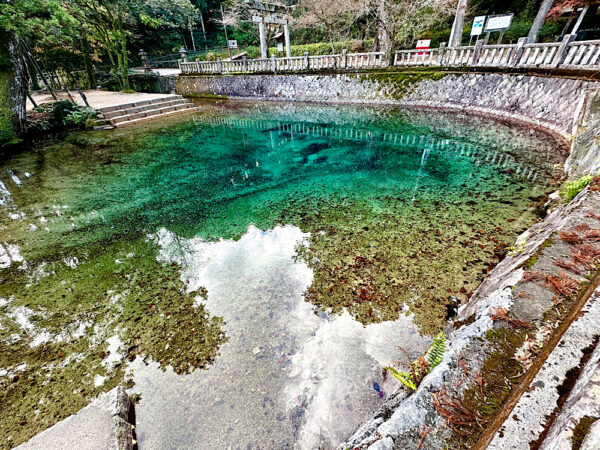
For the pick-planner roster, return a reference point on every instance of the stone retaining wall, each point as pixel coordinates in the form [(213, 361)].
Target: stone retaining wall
[(551, 103)]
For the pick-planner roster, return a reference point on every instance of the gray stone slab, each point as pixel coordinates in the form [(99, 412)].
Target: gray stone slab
[(102, 425), (527, 421)]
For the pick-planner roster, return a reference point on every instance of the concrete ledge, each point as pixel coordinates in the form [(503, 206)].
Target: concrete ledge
[(102, 425)]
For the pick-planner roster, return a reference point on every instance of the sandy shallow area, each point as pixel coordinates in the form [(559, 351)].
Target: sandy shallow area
[(96, 99)]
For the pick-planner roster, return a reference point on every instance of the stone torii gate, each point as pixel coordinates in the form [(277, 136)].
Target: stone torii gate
[(268, 13)]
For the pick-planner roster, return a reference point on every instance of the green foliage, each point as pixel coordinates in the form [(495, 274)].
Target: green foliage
[(405, 378), (81, 117), (65, 114), (424, 365), (435, 354), (573, 187), (7, 135)]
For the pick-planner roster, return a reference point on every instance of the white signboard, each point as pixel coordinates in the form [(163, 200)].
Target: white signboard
[(497, 23), (423, 43), (477, 28), (232, 44)]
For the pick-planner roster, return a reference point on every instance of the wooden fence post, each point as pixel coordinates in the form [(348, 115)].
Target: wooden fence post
[(561, 54)]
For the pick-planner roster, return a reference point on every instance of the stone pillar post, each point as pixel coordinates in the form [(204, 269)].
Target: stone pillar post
[(263, 40), (219, 65), (306, 61), (273, 62), (440, 60), (561, 54), (514, 61), (344, 62), (477, 52), (245, 63), (286, 36)]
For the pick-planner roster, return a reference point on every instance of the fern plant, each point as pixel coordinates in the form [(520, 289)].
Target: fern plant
[(405, 378), (435, 354), (423, 365)]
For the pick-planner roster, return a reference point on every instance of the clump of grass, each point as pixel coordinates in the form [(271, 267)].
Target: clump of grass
[(573, 187), (423, 365)]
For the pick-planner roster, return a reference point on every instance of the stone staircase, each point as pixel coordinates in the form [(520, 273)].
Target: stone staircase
[(144, 110)]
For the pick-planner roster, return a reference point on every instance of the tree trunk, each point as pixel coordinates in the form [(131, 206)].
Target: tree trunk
[(125, 64), (19, 86), (457, 26), (539, 20), (383, 34), (85, 50), (124, 58), (579, 20)]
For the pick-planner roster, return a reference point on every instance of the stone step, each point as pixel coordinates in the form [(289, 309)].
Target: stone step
[(140, 108), (158, 110), (123, 106), (156, 116)]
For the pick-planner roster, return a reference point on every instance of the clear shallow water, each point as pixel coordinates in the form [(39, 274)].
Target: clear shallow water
[(304, 244)]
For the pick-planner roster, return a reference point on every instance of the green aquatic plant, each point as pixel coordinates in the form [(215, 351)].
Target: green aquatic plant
[(573, 187), (423, 365)]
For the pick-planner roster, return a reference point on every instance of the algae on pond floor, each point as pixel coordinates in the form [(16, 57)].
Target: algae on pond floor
[(68, 328)]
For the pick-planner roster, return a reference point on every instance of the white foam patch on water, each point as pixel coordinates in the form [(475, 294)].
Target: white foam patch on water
[(15, 178), (71, 262), (114, 352), (99, 380), (22, 316), (9, 254), (16, 216), (40, 338), (313, 373), (5, 197), (35, 275)]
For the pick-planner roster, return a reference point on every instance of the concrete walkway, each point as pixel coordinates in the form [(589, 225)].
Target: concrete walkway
[(102, 425), (97, 99)]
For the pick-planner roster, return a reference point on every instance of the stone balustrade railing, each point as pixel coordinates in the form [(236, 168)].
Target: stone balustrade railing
[(567, 54), (293, 64)]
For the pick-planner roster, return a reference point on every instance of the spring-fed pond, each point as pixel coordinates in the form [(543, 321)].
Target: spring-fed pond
[(249, 270)]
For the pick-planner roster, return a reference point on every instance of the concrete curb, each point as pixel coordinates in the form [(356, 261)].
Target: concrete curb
[(102, 425)]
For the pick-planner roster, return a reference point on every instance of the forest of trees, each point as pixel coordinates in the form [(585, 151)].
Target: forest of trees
[(103, 37)]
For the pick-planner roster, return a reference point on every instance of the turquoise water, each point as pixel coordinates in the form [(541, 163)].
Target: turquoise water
[(250, 269)]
